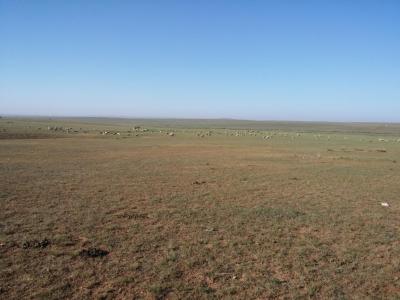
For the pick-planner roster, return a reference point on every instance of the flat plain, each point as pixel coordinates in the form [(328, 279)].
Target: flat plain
[(198, 209)]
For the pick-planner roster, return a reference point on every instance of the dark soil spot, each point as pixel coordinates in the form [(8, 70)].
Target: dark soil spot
[(36, 244), (134, 216), (137, 216), (93, 252), (198, 182)]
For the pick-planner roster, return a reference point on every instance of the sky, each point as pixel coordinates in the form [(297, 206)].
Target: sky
[(262, 60)]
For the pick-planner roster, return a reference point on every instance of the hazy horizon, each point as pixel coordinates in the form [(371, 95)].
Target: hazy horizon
[(38, 116), (265, 61)]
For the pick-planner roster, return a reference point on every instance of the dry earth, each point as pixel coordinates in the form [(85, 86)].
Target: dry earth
[(296, 216)]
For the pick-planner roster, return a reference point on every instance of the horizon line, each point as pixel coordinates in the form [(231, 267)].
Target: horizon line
[(190, 118)]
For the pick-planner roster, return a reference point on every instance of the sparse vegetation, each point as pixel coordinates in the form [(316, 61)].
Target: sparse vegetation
[(215, 212)]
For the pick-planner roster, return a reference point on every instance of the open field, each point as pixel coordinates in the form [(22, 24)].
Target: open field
[(198, 209)]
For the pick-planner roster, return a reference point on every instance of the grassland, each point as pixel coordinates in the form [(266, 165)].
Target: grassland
[(220, 209)]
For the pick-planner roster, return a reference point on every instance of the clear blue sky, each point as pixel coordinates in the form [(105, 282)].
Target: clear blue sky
[(281, 60)]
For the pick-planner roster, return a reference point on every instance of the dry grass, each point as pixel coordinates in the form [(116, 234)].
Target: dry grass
[(188, 217)]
